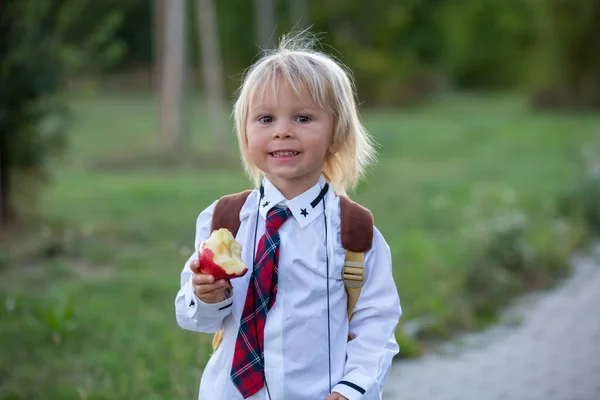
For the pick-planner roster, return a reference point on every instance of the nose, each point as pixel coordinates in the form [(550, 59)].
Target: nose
[(283, 130)]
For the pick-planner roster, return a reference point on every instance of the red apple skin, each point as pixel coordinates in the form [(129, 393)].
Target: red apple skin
[(209, 267)]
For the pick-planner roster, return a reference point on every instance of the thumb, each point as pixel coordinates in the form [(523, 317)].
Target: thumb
[(195, 266)]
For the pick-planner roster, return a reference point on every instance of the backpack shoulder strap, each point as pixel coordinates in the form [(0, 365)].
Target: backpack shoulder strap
[(357, 237), (227, 212), (227, 215)]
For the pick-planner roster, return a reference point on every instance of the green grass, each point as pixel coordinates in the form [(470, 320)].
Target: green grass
[(87, 297)]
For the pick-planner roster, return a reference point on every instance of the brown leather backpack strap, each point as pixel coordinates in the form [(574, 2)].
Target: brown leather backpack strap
[(356, 226), (227, 212), (227, 215), (357, 237)]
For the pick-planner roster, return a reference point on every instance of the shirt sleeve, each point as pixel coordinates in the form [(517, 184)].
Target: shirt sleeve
[(192, 313), (377, 313)]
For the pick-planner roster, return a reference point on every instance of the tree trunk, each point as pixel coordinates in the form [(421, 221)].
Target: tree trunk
[(299, 14), (590, 79), (212, 70), (573, 36), (158, 41), (266, 27), (173, 76), (5, 188)]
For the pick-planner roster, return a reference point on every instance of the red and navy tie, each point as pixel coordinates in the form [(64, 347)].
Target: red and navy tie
[(247, 371)]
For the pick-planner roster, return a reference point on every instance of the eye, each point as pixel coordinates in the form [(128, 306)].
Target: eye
[(265, 119), (303, 119)]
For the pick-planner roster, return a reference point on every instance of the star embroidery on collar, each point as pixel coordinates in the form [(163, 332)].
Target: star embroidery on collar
[(303, 212), (266, 203)]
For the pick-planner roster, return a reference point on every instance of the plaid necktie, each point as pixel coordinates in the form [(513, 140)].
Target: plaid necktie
[(247, 372)]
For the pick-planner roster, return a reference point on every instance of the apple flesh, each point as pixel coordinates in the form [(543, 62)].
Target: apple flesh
[(220, 256)]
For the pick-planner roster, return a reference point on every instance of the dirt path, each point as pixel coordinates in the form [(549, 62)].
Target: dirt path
[(554, 353)]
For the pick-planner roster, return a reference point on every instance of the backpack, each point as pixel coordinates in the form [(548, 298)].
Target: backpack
[(356, 231)]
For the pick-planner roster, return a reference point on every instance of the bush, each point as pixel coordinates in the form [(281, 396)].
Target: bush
[(511, 252), (36, 60), (582, 203), (488, 43)]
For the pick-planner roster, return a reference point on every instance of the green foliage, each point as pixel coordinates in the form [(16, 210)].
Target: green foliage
[(394, 59), (577, 35), (400, 52), (510, 252), (569, 37), (495, 231), (37, 57), (96, 36), (409, 346), (489, 43), (27, 83), (58, 318), (582, 202)]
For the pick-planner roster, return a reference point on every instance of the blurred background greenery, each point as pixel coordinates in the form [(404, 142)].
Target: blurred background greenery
[(114, 136)]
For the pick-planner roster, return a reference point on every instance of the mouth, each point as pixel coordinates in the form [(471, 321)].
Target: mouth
[(284, 153)]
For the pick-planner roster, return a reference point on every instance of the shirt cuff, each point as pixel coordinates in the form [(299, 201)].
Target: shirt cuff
[(196, 306), (353, 386)]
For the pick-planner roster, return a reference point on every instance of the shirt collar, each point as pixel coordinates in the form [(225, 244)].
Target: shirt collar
[(300, 206)]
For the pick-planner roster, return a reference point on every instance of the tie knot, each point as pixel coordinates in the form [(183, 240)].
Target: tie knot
[(277, 216)]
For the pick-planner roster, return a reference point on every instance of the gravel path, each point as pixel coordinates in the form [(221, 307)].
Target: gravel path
[(553, 353)]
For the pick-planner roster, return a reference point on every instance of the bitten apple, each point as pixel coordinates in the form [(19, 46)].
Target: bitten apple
[(220, 256)]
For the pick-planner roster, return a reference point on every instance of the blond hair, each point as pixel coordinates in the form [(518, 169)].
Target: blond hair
[(330, 86)]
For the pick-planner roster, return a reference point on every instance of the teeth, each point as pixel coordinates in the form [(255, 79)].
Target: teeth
[(285, 153)]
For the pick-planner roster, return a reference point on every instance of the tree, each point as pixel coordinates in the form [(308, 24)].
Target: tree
[(39, 50), (172, 94), (572, 62), (212, 69), (158, 37)]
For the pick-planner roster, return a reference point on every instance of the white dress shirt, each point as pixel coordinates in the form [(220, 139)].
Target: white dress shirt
[(296, 346)]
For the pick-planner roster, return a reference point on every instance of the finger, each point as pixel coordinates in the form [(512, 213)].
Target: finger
[(203, 291), (219, 286), (195, 266), (212, 297), (210, 287), (202, 279)]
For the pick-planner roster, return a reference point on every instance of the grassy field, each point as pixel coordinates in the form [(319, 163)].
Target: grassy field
[(87, 298)]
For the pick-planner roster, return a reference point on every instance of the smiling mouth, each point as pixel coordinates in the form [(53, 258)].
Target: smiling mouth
[(286, 153)]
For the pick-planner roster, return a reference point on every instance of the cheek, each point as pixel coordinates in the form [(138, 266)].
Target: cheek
[(250, 136), (255, 143), (321, 139)]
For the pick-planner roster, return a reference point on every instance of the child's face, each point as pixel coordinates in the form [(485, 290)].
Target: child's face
[(289, 138)]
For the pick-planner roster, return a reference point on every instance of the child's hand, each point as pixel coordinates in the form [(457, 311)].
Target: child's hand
[(206, 288), (335, 396)]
